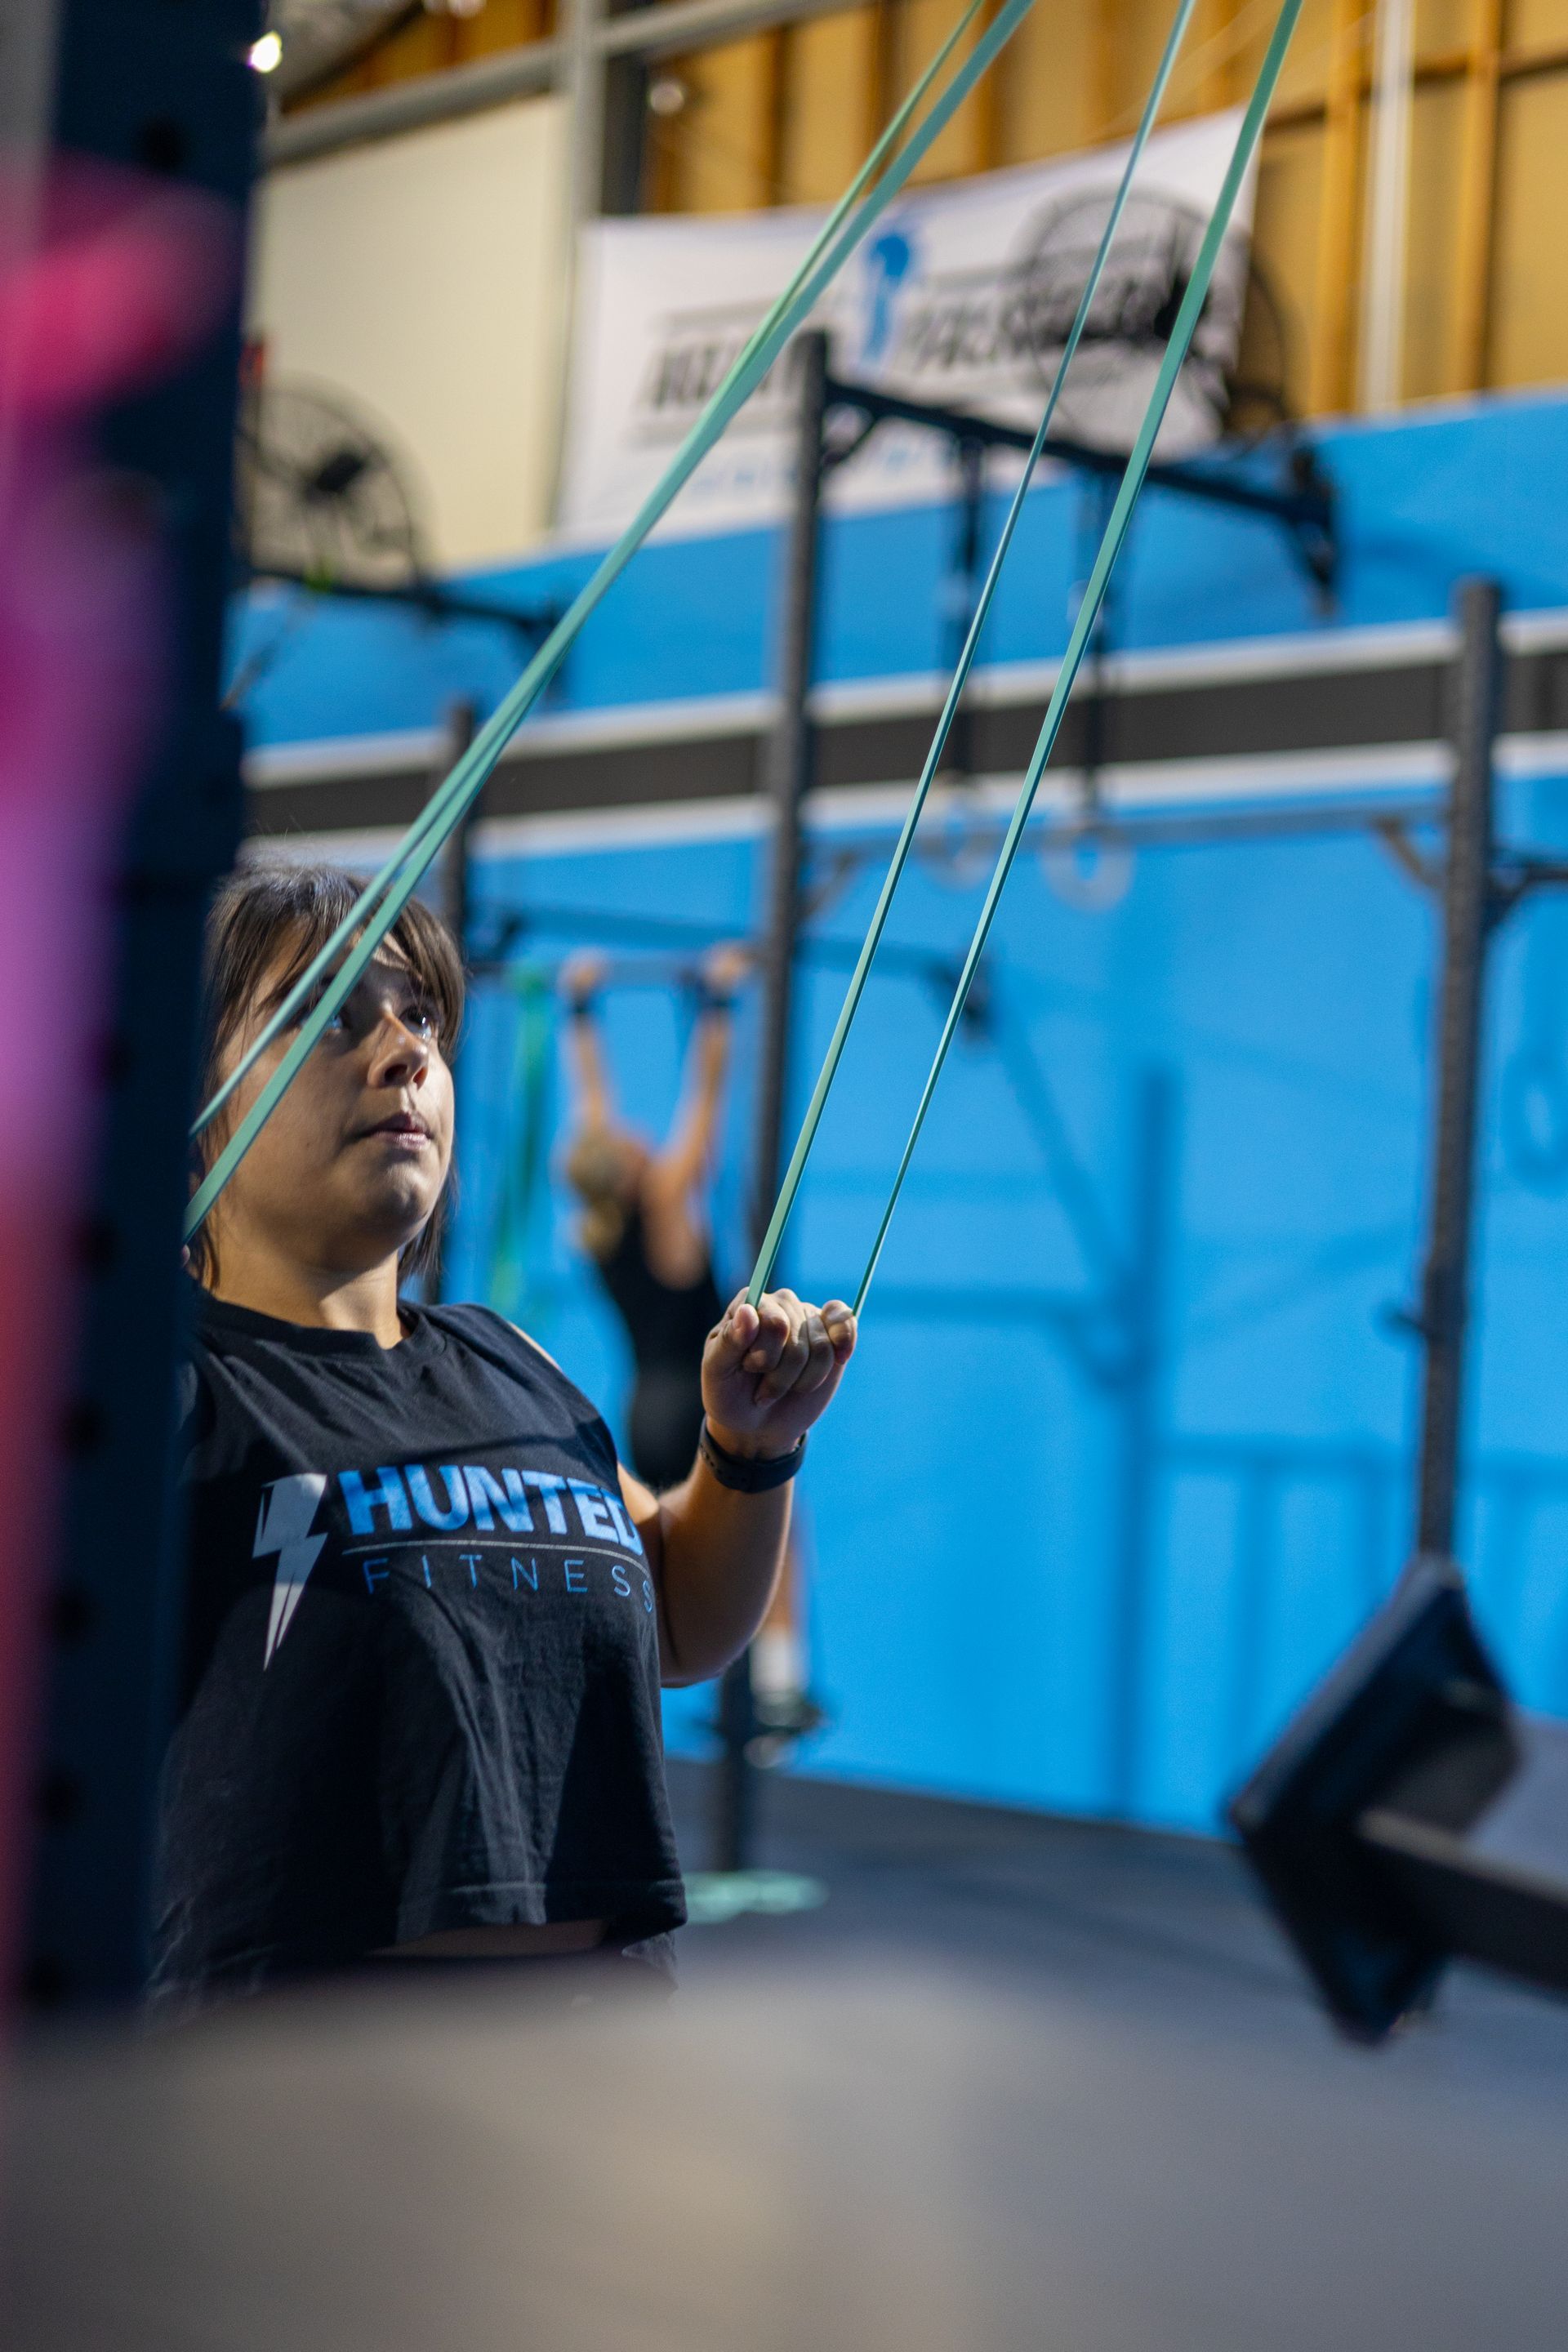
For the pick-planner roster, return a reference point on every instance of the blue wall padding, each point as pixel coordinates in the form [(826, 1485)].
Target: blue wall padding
[(1421, 501), (1126, 1454), (1105, 1493)]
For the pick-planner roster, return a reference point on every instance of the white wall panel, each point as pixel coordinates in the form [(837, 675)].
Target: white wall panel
[(422, 276)]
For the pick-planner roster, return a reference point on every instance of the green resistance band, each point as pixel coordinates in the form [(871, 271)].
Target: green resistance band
[(508, 1289), (765, 340), (784, 1206), (402, 876), (1109, 548)]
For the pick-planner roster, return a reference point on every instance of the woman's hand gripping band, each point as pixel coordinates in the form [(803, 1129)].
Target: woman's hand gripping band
[(770, 1371)]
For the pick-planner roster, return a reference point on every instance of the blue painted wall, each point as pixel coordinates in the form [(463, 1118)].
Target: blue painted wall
[(1126, 1455), (1421, 502)]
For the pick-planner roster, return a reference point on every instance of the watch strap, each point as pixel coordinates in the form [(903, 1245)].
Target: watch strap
[(744, 1473)]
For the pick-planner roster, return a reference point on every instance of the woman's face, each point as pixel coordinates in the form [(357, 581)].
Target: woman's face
[(349, 1166)]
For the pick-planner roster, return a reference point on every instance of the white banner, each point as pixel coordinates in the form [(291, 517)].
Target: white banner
[(961, 295)]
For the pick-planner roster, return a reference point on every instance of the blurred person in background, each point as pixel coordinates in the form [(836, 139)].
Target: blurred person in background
[(645, 1225), (429, 1612)]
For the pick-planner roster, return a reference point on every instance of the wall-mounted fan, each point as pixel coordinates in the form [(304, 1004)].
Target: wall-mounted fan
[(319, 498), (321, 504)]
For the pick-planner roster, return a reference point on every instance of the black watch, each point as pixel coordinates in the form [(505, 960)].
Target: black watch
[(745, 1473)]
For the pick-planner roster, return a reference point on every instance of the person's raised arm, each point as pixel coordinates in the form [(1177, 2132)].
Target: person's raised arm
[(716, 1542), (592, 1104), (683, 1162)]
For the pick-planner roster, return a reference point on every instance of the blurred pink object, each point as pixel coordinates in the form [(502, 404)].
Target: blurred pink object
[(106, 283)]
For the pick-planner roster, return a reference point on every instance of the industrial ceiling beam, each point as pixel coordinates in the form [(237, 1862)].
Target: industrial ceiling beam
[(677, 24), (413, 105), (665, 30)]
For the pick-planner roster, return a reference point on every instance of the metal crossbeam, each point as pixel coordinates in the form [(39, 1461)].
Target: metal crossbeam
[(666, 30), (430, 597), (1306, 510), (684, 25)]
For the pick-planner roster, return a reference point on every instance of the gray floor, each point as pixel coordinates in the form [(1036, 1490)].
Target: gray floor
[(1017, 2085), (1164, 1929)]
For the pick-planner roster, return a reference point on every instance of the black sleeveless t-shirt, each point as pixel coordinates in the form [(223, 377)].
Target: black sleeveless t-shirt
[(421, 1674), (667, 1323)]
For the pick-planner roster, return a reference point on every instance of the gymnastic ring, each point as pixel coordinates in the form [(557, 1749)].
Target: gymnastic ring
[(953, 847), (1087, 867)]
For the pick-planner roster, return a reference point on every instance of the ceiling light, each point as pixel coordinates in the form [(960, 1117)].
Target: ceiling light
[(267, 54)]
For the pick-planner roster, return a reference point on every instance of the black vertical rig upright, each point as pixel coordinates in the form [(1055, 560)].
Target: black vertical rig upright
[(1468, 910), (462, 721), (162, 90), (789, 779), (964, 593)]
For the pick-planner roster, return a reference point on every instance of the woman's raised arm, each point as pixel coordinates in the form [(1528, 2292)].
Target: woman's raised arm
[(716, 1542)]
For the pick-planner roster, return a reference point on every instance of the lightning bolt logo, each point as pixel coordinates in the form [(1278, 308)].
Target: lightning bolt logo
[(283, 1526)]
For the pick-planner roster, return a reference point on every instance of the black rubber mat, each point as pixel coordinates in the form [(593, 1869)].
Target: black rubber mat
[(1165, 1926)]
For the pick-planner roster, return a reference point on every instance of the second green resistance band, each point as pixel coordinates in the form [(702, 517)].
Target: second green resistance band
[(1109, 548), (767, 1254)]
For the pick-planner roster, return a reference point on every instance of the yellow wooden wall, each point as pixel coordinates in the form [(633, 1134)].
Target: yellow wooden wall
[(784, 117), (433, 38)]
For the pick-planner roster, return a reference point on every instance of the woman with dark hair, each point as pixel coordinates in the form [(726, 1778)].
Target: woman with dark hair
[(429, 1612)]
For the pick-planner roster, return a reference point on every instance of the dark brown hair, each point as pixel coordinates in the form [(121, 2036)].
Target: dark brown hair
[(268, 922)]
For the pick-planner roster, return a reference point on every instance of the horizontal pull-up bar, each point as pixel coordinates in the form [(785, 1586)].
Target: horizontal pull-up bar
[(431, 598), (665, 931), (1309, 506)]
